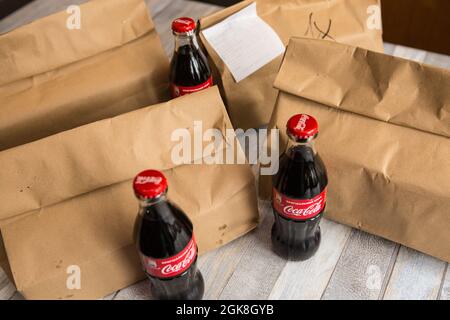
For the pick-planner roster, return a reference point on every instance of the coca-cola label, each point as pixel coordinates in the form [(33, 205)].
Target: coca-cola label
[(172, 266), (299, 209), (178, 91)]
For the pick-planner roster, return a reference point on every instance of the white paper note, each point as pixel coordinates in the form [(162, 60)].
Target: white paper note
[(244, 42)]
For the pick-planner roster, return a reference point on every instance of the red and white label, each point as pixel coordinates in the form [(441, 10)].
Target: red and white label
[(173, 266), (178, 91), (299, 209)]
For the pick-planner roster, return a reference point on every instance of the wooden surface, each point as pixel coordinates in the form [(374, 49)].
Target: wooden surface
[(350, 264)]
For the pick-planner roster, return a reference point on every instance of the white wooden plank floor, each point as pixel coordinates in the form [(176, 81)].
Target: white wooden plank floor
[(350, 264)]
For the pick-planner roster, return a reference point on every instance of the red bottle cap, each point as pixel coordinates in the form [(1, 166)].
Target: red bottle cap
[(183, 25), (303, 126), (149, 184)]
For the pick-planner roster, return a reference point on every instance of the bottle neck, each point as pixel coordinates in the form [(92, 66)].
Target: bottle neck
[(146, 203), (294, 144), (185, 39)]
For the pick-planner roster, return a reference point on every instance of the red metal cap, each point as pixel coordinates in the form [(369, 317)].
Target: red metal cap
[(149, 184), (303, 126), (183, 25)]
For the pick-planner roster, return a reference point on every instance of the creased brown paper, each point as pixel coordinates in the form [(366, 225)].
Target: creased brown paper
[(53, 78), (68, 200), (384, 137), (250, 102)]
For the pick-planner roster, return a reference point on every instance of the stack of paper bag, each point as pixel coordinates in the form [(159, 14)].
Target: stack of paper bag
[(55, 77), (384, 136), (67, 200), (250, 102)]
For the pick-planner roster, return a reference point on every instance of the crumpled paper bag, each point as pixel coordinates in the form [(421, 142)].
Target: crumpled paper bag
[(384, 136), (67, 200), (53, 78)]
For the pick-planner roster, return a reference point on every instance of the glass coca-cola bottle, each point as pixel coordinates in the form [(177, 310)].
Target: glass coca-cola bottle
[(189, 68), (165, 241), (299, 192)]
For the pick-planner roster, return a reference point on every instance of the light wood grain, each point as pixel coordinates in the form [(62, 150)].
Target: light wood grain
[(7, 288), (364, 266), (410, 54), (445, 290), (110, 296), (17, 296), (157, 6), (389, 48), (219, 266), (431, 58), (416, 276), (309, 279), (435, 59), (137, 291), (258, 268)]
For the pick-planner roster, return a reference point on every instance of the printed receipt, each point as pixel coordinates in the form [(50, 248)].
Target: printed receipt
[(244, 42)]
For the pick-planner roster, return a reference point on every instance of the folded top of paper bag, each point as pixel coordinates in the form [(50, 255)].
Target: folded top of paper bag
[(100, 154), (30, 50), (379, 86)]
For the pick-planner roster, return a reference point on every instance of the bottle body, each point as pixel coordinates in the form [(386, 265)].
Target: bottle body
[(165, 240), (299, 187), (189, 67), (163, 233)]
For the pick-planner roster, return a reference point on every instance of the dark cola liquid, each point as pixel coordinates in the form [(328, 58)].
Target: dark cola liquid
[(302, 175), (163, 230), (189, 67)]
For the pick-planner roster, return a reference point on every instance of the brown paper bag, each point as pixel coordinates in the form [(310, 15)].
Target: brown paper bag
[(67, 199), (250, 102), (384, 137), (53, 78)]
